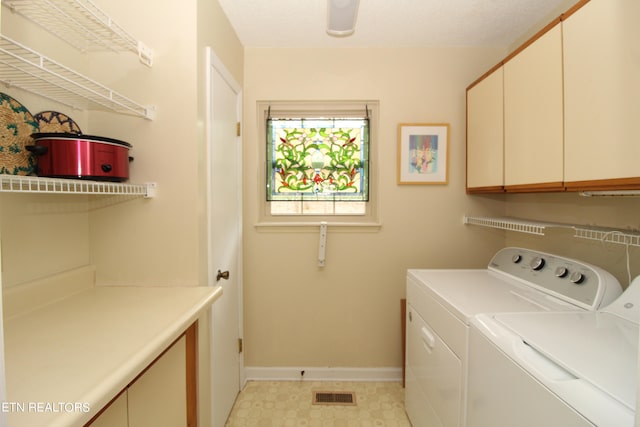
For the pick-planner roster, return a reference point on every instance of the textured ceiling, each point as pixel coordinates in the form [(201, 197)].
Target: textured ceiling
[(390, 23)]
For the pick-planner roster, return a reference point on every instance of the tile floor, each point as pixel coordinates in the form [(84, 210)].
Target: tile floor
[(289, 404)]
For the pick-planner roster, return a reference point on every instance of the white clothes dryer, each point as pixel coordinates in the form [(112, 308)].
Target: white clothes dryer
[(440, 304)]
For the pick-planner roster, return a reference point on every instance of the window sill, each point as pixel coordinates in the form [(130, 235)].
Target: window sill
[(361, 226)]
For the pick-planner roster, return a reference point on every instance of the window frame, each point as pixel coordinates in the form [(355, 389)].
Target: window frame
[(342, 109)]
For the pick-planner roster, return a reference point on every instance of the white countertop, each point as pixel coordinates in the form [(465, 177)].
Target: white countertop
[(82, 350)]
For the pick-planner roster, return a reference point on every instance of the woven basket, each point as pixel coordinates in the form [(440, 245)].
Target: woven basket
[(16, 126), (55, 122)]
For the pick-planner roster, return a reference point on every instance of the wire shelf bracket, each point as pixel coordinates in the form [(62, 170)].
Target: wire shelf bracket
[(32, 184)]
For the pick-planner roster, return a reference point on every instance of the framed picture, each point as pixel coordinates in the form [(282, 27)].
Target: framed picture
[(423, 152)]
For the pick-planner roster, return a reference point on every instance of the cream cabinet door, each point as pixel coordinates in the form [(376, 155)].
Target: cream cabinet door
[(602, 91), (485, 135), (533, 111), (159, 396), (115, 415)]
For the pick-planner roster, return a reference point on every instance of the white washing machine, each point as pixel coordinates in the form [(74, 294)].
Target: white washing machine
[(556, 369), (440, 304)]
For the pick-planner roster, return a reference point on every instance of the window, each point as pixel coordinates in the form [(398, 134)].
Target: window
[(318, 159)]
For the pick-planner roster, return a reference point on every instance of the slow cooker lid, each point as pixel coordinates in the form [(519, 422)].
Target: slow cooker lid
[(78, 137)]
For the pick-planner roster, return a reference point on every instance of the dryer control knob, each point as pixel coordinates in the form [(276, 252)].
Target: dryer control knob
[(516, 258), (576, 277), (561, 272), (537, 263)]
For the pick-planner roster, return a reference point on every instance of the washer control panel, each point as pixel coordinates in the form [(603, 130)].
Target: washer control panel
[(571, 280)]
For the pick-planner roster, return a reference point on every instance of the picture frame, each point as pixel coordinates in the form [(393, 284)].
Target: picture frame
[(423, 153)]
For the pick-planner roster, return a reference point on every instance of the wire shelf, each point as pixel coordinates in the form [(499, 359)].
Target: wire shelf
[(609, 235), (32, 184), (510, 224), (602, 234), (81, 24), (26, 69)]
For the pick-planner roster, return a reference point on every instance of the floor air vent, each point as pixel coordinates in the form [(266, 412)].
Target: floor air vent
[(334, 398)]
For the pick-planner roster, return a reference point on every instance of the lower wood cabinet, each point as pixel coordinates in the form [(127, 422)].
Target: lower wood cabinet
[(114, 415), (159, 396), (162, 395)]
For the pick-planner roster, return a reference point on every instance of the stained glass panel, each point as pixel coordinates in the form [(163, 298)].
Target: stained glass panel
[(318, 159)]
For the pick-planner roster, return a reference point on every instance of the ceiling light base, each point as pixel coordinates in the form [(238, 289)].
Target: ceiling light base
[(341, 17)]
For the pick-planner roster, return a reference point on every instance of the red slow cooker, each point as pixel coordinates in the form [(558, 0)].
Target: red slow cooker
[(68, 155)]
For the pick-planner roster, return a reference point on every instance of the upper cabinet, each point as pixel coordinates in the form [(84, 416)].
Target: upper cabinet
[(533, 153), (485, 165), (571, 97), (602, 95)]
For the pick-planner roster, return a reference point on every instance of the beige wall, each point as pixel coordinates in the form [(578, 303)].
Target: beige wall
[(142, 242), (160, 241), (571, 208), (41, 235), (153, 242), (347, 314)]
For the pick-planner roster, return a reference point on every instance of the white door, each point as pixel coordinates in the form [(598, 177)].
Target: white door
[(225, 219)]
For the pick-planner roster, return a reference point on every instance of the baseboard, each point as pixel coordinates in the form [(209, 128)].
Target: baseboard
[(255, 373)]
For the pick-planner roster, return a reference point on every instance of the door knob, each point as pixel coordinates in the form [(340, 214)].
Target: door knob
[(222, 275)]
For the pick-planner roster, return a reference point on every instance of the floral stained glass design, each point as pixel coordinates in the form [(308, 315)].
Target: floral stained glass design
[(318, 159)]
